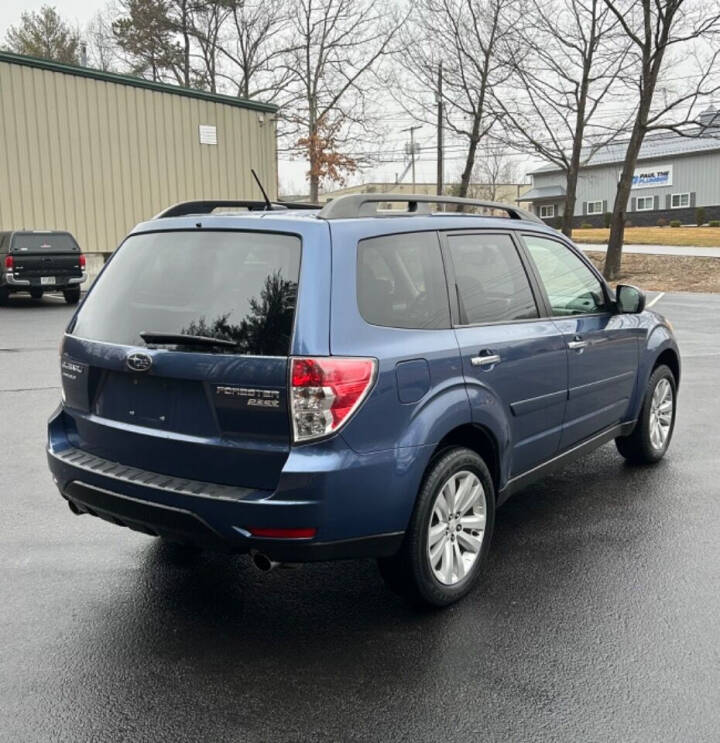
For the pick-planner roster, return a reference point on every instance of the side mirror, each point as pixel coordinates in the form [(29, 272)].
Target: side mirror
[(629, 299)]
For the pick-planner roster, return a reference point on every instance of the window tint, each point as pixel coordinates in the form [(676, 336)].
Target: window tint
[(571, 286), (401, 282), (234, 286), (491, 283), (43, 242)]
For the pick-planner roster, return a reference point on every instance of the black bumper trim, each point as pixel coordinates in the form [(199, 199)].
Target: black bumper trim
[(182, 525)]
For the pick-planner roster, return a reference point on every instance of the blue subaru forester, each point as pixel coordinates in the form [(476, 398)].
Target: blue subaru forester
[(351, 381)]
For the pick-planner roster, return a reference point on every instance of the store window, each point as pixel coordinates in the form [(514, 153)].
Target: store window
[(594, 207), (680, 200), (547, 211), (644, 203)]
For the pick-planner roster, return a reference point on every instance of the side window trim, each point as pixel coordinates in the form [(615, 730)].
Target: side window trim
[(450, 277), (609, 298)]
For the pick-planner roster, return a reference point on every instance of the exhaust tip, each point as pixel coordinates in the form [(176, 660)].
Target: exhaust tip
[(263, 563)]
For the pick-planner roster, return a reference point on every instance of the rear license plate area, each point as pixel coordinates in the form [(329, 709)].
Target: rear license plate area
[(47, 281)]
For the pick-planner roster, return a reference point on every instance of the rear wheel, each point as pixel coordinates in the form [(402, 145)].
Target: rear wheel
[(4, 295), (650, 439), (36, 293), (72, 296), (448, 538)]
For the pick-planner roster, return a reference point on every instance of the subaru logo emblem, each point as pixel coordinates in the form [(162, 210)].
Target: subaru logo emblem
[(139, 362)]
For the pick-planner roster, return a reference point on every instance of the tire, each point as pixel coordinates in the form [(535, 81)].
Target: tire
[(4, 295), (36, 293), (72, 296), (440, 582), (650, 439)]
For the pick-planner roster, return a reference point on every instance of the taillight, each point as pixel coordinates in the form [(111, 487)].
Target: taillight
[(326, 391), (9, 262), (81, 259)]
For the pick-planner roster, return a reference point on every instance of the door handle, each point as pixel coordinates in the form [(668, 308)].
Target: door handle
[(577, 343), (488, 360)]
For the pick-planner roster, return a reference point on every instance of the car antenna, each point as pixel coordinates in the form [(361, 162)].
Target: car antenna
[(268, 203)]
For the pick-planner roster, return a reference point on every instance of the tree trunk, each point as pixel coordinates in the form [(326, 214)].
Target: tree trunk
[(314, 187), (617, 222), (470, 159), (569, 213)]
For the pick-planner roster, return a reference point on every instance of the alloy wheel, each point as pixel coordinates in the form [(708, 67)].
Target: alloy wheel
[(457, 527)]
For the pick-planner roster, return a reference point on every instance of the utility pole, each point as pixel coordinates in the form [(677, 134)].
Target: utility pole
[(412, 129), (440, 169)]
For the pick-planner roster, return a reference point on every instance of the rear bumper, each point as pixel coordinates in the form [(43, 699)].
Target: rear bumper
[(9, 279), (359, 504)]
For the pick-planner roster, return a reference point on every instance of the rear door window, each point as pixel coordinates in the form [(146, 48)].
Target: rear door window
[(231, 286), (490, 280), (401, 281)]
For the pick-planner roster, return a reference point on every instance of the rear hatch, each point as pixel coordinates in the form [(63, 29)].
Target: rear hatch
[(143, 382), (45, 258)]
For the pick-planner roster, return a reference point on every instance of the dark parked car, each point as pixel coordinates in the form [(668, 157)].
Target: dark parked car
[(348, 382), (41, 261)]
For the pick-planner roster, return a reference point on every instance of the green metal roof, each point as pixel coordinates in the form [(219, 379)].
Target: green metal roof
[(138, 82)]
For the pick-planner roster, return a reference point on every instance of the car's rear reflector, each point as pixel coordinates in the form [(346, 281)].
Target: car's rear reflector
[(305, 533), (325, 391)]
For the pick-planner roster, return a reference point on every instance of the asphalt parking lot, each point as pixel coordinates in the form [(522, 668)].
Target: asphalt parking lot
[(598, 620)]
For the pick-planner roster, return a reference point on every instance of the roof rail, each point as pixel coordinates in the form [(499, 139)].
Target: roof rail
[(185, 208), (366, 205)]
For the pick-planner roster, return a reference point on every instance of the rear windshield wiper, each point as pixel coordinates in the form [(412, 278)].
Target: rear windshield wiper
[(154, 336)]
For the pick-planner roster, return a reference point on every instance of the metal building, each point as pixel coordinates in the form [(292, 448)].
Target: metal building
[(675, 174), (94, 153)]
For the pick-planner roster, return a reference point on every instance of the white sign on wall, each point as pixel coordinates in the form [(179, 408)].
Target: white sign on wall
[(208, 134), (652, 176)]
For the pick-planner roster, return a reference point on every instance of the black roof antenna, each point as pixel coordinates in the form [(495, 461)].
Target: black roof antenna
[(268, 203)]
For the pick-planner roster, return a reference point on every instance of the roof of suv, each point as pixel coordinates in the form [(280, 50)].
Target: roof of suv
[(353, 208)]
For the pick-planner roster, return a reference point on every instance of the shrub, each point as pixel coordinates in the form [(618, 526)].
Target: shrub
[(675, 223), (585, 226), (607, 219), (714, 223), (700, 216), (662, 222)]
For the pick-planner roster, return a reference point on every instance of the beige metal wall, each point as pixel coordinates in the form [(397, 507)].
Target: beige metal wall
[(96, 157)]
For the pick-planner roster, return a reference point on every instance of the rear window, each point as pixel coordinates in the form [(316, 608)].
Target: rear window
[(43, 242), (401, 282), (231, 286)]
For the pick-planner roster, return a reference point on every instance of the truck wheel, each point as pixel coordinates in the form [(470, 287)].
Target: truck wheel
[(4, 295), (651, 436), (36, 293), (447, 541), (72, 296)]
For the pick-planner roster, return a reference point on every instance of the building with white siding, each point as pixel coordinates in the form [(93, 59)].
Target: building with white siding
[(675, 175)]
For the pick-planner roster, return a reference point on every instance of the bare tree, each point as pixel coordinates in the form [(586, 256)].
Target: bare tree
[(335, 46), (254, 46), (566, 61), (102, 48), (465, 36), (205, 24), (493, 169), (656, 29)]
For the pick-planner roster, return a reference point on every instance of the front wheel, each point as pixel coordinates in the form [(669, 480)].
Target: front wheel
[(448, 539), (651, 436)]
